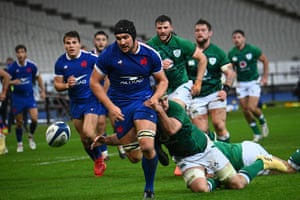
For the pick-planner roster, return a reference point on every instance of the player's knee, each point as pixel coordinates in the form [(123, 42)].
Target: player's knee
[(237, 185), (237, 182), (134, 156), (199, 186), (196, 180), (133, 152), (146, 140)]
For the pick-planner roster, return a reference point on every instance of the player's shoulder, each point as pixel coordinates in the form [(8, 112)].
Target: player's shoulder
[(61, 59), (232, 51), (88, 54), (181, 40), (31, 63), (251, 46)]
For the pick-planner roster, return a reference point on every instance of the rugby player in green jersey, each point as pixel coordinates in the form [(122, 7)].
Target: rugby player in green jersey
[(244, 57), (212, 98), (175, 51), (195, 154), (198, 157), (246, 153)]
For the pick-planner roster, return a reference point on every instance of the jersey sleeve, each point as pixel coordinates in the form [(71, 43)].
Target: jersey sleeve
[(157, 62), (101, 63), (187, 46), (256, 51), (58, 69), (176, 111)]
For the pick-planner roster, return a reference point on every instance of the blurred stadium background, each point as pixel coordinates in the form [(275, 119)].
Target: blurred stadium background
[(272, 25)]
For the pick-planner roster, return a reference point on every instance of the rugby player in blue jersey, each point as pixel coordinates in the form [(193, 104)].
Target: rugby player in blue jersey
[(100, 43), (23, 73), (129, 64), (72, 73)]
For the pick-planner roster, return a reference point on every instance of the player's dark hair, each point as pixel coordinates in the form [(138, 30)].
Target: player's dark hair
[(20, 46), (72, 34), (238, 31), (101, 33), (163, 18), (204, 22)]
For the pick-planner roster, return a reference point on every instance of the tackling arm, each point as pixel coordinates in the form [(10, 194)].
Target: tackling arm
[(265, 62)]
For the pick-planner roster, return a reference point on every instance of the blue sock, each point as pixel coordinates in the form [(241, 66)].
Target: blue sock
[(95, 153), (104, 146), (33, 126), (19, 133), (149, 168)]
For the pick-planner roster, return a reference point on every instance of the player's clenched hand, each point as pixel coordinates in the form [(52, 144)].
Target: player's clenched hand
[(151, 101), (221, 95), (195, 90), (157, 107), (71, 81), (116, 114)]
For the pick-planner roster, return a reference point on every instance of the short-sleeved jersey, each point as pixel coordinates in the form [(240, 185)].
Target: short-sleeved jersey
[(26, 74), (189, 140), (178, 50), (233, 152), (245, 62), (129, 73), (211, 82), (81, 68)]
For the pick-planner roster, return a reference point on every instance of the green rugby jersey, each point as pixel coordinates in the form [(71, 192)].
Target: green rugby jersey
[(178, 50), (189, 140), (245, 62), (211, 82)]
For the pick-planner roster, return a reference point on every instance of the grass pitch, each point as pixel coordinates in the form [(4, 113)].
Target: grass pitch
[(67, 172)]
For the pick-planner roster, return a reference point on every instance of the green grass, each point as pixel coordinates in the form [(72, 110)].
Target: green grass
[(67, 172)]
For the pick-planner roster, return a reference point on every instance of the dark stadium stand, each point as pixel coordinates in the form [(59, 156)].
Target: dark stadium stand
[(275, 33)]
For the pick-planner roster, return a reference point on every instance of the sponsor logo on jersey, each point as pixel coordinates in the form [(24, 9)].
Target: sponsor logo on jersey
[(128, 80), (25, 81), (80, 80), (243, 64)]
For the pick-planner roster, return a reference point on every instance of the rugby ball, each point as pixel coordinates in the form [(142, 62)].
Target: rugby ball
[(58, 134)]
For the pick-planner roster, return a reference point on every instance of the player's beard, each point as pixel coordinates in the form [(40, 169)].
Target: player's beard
[(202, 43)]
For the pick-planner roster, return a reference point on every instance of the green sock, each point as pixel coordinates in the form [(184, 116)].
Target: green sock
[(224, 139), (213, 183), (262, 119), (254, 128), (211, 135), (294, 160), (252, 170)]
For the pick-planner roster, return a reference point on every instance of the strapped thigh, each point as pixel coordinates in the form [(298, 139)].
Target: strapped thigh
[(145, 134), (131, 146)]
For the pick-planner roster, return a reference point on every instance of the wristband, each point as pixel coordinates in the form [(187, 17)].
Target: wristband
[(226, 88)]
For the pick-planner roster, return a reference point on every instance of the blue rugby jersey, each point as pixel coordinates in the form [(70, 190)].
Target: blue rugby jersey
[(81, 68), (129, 74), (26, 74)]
